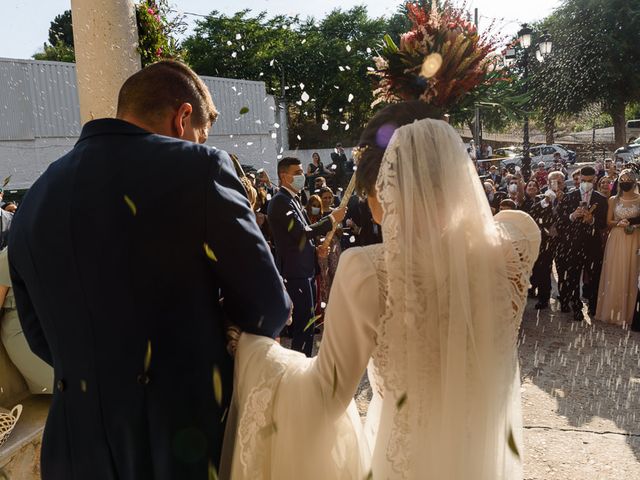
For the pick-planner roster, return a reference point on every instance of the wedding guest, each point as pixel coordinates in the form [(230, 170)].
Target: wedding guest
[(582, 215), (619, 281), (544, 213), (314, 208), (493, 196), (575, 177), (37, 374), (315, 169), (604, 186), (530, 196), (338, 167), (6, 218), (294, 237), (515, 190), (329, 264), (363, 230), (507, 204), (263, 180), (495, 176), (541, 175)]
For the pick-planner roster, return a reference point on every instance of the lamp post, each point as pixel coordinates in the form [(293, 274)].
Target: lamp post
[(542, 50)]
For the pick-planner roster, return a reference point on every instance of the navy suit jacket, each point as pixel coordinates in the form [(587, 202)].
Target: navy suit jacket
[(116, 290), (293, 236)]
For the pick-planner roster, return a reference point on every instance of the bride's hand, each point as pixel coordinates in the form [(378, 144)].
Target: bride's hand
[(233, 336)]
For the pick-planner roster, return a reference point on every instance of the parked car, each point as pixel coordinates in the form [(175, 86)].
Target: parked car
[(543, 153), (633, 128), (508, 152), (628, 153)]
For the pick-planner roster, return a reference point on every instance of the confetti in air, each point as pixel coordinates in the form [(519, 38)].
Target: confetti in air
[(350, 98), (132, 206), (217, 385), (244, 110), (147, 357), (304, 97), (209, 253)]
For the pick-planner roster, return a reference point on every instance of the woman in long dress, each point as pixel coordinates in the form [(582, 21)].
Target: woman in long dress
[(436, 308), (619, 280)]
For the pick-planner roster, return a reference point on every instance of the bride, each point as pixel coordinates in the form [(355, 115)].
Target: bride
[(434, 311)]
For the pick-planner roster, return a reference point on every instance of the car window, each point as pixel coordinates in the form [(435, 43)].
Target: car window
[(633, 124), (548, 151), (534, 152)]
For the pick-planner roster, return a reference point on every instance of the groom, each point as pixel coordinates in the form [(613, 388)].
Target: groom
[(126, 256)]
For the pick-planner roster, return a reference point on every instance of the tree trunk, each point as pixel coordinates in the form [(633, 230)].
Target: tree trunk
[(549, 129), (619, 124)]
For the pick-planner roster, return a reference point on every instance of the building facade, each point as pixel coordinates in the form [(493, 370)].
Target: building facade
[(40, 119)]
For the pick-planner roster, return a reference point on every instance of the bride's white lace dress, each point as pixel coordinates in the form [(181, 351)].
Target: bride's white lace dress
[(433, 397)]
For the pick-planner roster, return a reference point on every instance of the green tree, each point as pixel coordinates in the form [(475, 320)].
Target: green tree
[(321, 66), (59, 48), (61, 29), (595, 60)]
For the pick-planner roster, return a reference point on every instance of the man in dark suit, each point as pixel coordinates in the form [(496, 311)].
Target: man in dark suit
[(294, 239), (126, 255), (582, 216)]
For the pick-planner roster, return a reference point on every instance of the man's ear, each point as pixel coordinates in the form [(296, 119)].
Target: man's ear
[(180, 119)]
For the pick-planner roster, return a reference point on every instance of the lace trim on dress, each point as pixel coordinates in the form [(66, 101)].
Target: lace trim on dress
[(256, 423)]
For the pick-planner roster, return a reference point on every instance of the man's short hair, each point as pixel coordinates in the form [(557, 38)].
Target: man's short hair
[(587, 171), (508, 203), (161, 88), (286, 162)]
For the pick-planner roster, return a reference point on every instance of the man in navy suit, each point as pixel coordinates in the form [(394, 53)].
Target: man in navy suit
[(126, 255), (582, 217), (294, 239)]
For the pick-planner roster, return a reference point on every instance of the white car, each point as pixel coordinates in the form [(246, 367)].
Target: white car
[(543, 153), (629, 153)]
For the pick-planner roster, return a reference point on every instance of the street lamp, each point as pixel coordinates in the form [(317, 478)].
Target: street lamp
[(543, 49)]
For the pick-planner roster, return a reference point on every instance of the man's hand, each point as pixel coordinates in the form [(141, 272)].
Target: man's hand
[(587, 217), (578, 213), (339, 213)]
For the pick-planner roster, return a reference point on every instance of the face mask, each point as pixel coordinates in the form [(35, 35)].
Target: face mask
[(315, 210), (627, 186), (513, 188), (586, 187), (298, 182)]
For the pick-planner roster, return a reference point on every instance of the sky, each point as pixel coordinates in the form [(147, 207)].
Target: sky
[(24, 24)]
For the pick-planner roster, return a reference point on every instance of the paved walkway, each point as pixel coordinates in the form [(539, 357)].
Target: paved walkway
[(581, 398)]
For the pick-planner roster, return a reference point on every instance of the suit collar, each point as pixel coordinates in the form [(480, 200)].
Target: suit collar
[(110, 126)]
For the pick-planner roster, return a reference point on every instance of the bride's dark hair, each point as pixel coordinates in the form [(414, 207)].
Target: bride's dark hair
[(378, 132)]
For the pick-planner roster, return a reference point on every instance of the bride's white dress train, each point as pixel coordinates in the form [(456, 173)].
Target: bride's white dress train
[(436, 390)]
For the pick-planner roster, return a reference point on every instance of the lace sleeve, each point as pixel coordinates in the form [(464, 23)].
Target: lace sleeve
[(521, 240)]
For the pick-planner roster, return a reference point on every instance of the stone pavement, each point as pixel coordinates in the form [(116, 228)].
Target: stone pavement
[(580, 398)]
